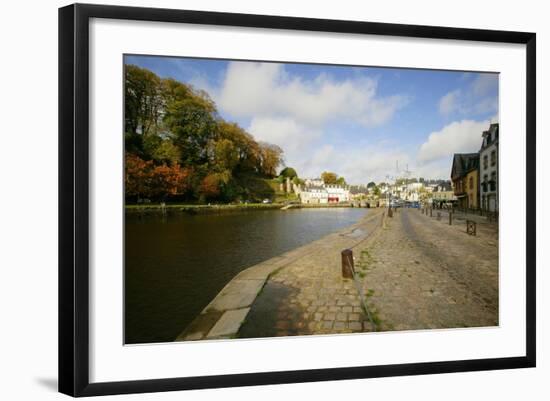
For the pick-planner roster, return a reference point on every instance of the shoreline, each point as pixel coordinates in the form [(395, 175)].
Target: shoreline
[(224, 315), (205, 209)]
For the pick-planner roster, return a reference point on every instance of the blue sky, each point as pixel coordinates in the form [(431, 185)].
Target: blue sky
[(355, 121)]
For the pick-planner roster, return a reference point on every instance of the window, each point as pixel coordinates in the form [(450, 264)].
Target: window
[(493, 182), (484, 183), (493, 157), (485, 161), (471, 182)]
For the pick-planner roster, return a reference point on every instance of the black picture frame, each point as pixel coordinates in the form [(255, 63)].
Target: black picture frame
[(74, 198)]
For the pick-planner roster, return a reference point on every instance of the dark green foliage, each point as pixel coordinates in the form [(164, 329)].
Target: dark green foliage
[(288, 172)]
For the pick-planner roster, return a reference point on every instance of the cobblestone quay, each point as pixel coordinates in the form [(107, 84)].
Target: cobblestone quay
[(416, 272)]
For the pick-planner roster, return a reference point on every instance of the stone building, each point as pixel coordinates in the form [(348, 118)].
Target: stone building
[(488, 157)]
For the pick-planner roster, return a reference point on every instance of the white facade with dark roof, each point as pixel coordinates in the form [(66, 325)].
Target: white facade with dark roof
[(488, 169)]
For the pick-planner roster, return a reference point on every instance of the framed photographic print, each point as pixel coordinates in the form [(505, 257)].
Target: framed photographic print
[(250, 199)]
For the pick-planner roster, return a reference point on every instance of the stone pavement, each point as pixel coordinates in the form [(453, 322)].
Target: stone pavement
[(422, 273), (309, 296), (223, 317), (416, 272)]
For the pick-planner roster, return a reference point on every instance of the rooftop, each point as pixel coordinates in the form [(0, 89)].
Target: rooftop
[(464, 163)]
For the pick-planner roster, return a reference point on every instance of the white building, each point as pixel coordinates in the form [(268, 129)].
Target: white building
[(488, 169), (411, 192), (313, 194), (323, 193), (337, 193)]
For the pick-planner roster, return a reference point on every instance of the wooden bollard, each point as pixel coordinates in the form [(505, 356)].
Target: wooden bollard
[(347, 263), (451, 218), (431, 212), (438, 215), (390, 212), (471, 228)]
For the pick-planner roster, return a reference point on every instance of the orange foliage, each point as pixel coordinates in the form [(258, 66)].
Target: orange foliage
[(210, 186), (144, 179), (169, 180)]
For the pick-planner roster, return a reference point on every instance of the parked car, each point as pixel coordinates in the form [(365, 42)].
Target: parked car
[(266, 201)]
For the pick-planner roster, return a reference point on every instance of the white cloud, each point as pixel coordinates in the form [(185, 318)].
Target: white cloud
[(484, 83), (477, 98), (358, 165), (457, 137), (266, 90), (283, 131), (449, 102), (487, 105), (440, 169)]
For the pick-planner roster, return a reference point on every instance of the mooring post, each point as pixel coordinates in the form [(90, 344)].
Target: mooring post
[(431, 209), (347, 263), (450, 217), (471, 227), (438, 215)]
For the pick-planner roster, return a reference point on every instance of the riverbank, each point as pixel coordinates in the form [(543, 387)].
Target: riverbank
[(222, 208), (226, 313)]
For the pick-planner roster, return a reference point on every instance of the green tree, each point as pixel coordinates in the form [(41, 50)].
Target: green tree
[(224, 155), (189, 117), (288, 172), (142, 100), (271, 158), (247, 149), (341, 181), (329, 178), (165, 151)]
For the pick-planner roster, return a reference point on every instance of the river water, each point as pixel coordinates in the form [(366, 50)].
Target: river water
[(175, 265)]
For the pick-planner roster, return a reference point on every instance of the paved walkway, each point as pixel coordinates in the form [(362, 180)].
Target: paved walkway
[(416, 273), (424, 274)]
